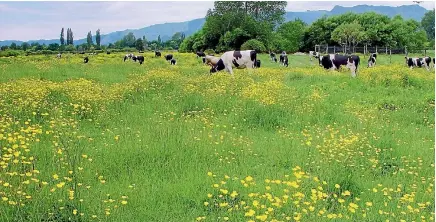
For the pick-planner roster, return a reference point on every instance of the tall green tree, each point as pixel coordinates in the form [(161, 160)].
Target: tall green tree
[(62, 39), (139, 44), (13, 46), (97, 38), (349, 34), (159, 41), (292, 34), (89, 39), (24, 46), (129, 40), (71, 37), (428, 23)]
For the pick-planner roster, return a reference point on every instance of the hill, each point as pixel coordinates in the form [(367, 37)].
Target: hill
[(166, 30)]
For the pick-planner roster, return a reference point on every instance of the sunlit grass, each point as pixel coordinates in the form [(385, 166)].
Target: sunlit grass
[(118, 141)]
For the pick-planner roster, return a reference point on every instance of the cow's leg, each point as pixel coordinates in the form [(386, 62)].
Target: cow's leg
[(229, 69)]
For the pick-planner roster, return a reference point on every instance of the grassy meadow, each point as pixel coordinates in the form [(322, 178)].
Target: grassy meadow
[(118, 141)]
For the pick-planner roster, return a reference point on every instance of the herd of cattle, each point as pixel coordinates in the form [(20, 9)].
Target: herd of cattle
[(248, 59)]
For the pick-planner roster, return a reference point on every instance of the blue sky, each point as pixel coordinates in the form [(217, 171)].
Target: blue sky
[(44, 20)]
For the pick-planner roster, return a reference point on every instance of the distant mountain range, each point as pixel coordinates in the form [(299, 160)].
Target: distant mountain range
[(167, 30)]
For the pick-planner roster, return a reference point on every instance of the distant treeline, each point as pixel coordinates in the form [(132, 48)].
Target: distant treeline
[(259, 25), (128, 43)]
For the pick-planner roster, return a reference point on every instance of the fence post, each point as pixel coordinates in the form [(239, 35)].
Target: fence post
[(386, 50), (376, 51), (334, 49), (405, 50), (425, 52), (327, 49)]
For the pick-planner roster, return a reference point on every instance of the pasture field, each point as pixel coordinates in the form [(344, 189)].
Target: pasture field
[(118, 141)]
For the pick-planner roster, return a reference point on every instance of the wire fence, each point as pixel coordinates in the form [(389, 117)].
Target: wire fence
[(373, 49)]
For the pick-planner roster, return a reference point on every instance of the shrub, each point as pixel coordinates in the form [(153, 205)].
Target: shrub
[(253, 44)]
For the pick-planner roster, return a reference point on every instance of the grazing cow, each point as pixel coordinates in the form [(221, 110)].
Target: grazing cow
[(173, 62), (372, 60), (434, 64), (157, 54), (134, 58), (81, 52), (334, 61), (272, 56), (58, 55), (85, 60), (210, 60), (257, 64), (125, 58), (313, 54), (284, 60), (238, 59), (168, 57), (200, 54), (418, 62), (108, 52), (140, 59)]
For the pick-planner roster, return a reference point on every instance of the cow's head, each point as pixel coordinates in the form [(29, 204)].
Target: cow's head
[(218, 67)]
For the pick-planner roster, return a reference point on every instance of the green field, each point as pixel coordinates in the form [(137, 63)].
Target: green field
[(118, 141)]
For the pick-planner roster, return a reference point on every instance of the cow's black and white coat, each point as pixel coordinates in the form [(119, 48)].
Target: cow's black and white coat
[(284, 60), (334, 61), (237, 59), (58, 55), (210, 60), (372, 60), (173, 62), (140, 59), (85, 60), (257, 64), (273, 57), (168, 57), (418, 62), (200, 54), (157, 54), (313, 54)]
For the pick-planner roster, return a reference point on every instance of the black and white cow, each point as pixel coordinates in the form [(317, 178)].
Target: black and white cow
[(334, 61), (372, 60), (134, 58), (173, 62), (313, 54), (434, 64), (200, 54), (418, 62), (272, 56), (285, 61), (257, 64), (157, 54), (59, 55), (85, 60), (281, 57), (108, 52), (140, 59), (168, 57), (238, 59)]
